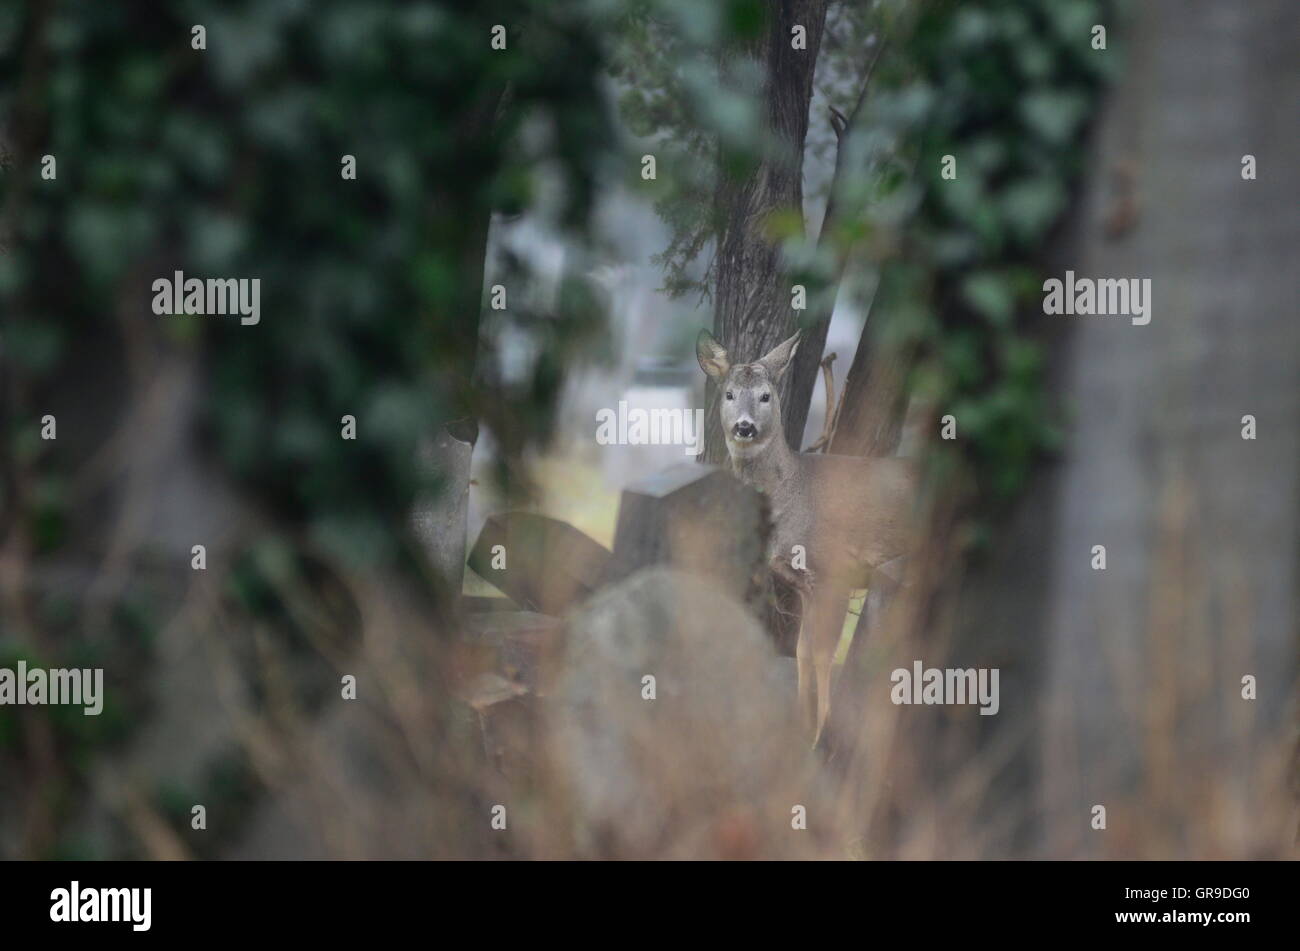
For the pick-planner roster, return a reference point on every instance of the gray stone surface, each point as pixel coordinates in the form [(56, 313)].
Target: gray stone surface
[(699, 519), (709, 768), (1144, 659), (549, 565), (440, 520)]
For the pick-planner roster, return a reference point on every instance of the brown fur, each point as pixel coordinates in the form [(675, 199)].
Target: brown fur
[(849, 514)]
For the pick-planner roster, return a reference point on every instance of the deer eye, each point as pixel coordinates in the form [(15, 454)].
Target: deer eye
[(730, 395), (765, 398)]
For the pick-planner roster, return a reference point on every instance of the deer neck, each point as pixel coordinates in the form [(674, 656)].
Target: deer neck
[(766, 467)]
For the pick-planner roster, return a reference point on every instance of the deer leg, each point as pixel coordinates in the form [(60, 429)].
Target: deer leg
[(822, 664), (807, 678), (824, 628), (802, 581)]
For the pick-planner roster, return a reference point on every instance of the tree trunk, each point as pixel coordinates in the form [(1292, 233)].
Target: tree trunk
[(807, 360), (1123, 688), (752, 311), (875, 394)]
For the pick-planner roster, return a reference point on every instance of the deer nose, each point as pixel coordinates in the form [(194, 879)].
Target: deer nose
[(745, 429)]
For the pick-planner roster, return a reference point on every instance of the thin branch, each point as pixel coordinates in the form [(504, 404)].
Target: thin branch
[(866, 79), (832, 407), (841, 125)]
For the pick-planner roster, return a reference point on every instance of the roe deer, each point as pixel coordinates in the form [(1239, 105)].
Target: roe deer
[(834, 518)]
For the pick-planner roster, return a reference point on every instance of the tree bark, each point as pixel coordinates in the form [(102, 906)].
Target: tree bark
[(1145, 659), (807, 360), (1122, 687), (752, 311), (875, 395)]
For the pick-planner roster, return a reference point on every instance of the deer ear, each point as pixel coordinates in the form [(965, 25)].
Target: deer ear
[(778, 358), (713, 358)]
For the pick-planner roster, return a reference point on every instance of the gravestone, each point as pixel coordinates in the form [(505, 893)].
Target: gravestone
[(543, 564), (707, 759), (440, 519), (518, 639), (698, 519)]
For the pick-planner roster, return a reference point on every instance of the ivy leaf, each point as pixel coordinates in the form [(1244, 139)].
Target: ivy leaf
[(1054, 116), (990, 294), (1031, 207)]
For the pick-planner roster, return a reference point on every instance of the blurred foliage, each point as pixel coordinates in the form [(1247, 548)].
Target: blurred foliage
[(691, 89), (1006, 87), (226, 162)]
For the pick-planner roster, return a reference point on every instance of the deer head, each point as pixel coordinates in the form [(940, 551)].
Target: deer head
[(750, 406)]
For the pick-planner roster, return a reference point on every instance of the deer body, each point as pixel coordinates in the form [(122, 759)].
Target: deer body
[(848, 513), (834, 518)]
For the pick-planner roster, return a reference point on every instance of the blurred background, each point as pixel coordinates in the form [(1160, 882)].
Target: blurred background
[(505, 145)]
